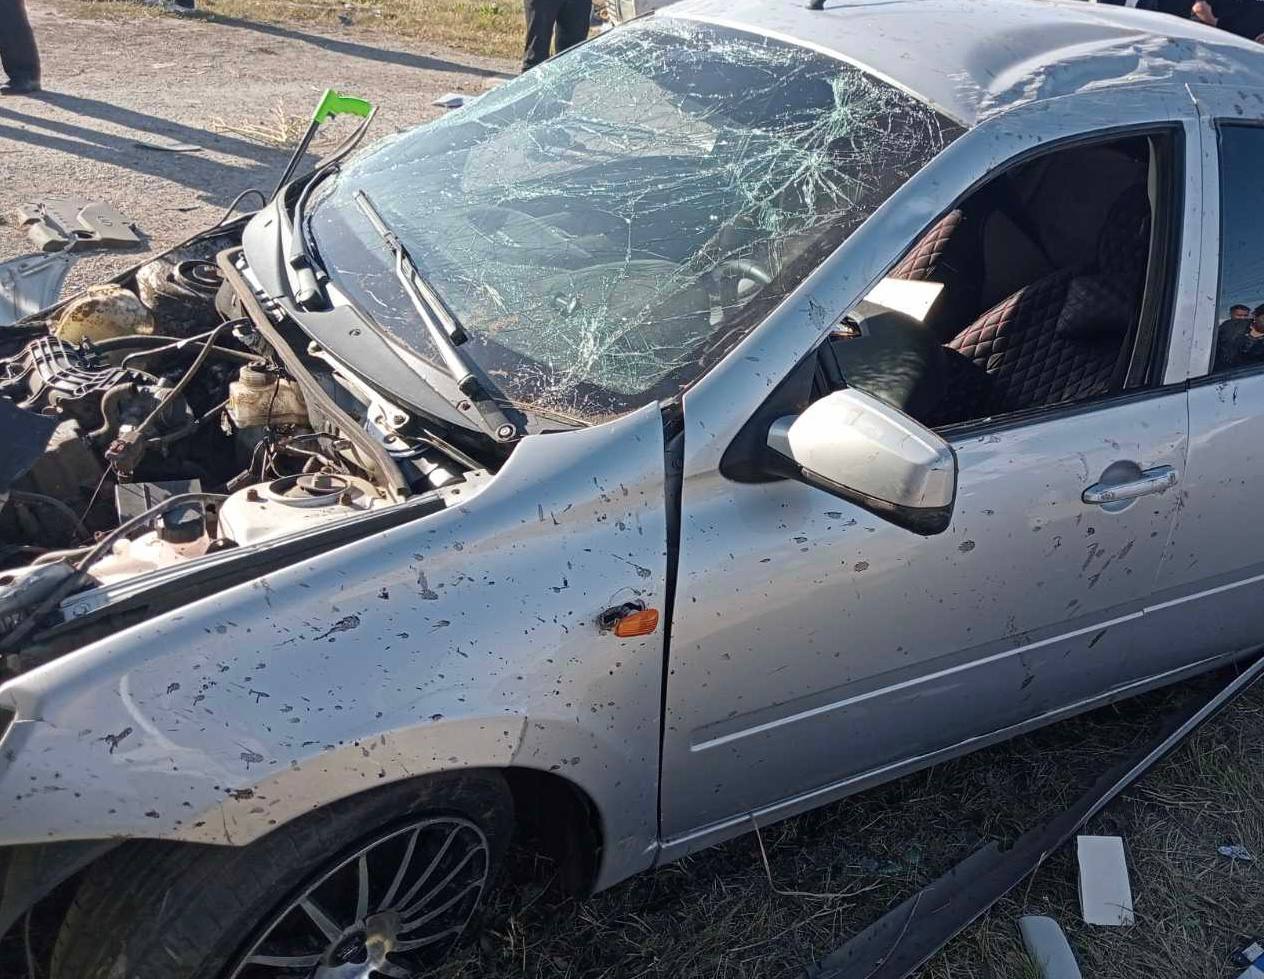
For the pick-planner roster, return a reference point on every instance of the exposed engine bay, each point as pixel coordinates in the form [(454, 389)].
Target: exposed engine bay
[(151, 423)]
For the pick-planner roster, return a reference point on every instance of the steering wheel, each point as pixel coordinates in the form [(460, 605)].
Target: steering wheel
[(729, 275), (742, 268)]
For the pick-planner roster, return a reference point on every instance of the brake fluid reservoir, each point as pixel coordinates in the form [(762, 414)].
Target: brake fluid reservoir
[(261, 397)]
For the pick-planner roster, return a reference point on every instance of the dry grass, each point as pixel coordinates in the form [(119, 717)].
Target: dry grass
[(492, 28), (280, 127), (726, 912), (487, 27)]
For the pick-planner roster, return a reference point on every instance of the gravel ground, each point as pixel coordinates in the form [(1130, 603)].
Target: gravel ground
[(116, 77)]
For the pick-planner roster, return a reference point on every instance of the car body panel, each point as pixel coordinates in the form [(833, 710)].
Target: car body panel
[(1215, 564), (463, 639), (977, 58)]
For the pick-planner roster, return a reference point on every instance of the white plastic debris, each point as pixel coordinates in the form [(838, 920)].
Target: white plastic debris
[(1253, 956), (1105, 892), (1235, 851), (1048, 947), (450, 100)]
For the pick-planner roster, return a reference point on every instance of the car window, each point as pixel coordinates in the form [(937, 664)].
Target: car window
[(611, 223), (1035, 291), (1240, 296)]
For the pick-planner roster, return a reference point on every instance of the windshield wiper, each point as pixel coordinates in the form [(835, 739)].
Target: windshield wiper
[(307, 274), (445, 330)]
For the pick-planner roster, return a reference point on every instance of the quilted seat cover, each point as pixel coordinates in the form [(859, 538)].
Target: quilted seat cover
[(1027, 360), (924, 261)]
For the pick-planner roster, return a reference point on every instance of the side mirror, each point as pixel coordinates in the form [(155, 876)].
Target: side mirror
[(856, 447)]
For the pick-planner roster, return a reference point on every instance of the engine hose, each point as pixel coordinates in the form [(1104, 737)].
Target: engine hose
[(69, 554), (125, 452), (137, 340), (41, 499), (110, 410), (226, 353)]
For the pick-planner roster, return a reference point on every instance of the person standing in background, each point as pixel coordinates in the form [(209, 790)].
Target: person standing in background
[(568, 19), (17, 50), (1240, 341), (1242, 17)]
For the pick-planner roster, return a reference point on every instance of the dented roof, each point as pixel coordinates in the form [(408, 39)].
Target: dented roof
[(974, 58)]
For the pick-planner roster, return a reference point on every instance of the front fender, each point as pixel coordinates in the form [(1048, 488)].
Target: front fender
[(464, 638)]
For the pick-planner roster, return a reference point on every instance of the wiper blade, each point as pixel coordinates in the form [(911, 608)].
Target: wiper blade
[(445, 330)]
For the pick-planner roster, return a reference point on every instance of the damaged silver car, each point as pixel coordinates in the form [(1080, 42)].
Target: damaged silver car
[(731, 414)]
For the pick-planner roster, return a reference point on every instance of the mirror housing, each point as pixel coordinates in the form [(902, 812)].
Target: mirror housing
[(858, 448)]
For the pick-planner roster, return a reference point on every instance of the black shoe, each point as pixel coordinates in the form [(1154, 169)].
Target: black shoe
[(20, 86)]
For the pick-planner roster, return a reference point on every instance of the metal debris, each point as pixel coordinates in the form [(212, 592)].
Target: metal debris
[(904, 938), (166, 147), (30, 283), (65, 223), (1235, 851), (1253, 958)]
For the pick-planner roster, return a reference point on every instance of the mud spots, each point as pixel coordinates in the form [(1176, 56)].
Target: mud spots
[(345, 624), (114, 740)]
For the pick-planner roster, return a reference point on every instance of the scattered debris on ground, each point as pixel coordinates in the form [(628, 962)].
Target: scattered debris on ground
[(1105, 891), (57, 224), (1048, 947)]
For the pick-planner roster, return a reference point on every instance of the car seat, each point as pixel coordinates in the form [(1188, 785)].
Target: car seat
[(1059, 339)]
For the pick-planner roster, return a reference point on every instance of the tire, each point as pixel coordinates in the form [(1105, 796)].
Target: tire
[(159, 910)]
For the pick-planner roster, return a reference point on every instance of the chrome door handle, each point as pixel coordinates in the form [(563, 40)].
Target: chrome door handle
[(1152, 481)]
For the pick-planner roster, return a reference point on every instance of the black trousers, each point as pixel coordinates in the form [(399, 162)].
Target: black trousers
[(569, 19), (17, 43)]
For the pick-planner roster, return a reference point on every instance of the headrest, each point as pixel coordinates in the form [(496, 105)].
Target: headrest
[(1123, 247), (1095, 307)]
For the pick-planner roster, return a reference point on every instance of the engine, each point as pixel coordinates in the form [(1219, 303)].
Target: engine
[(160, 428)]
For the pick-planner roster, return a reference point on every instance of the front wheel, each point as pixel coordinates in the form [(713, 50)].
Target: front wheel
[(381, 884)]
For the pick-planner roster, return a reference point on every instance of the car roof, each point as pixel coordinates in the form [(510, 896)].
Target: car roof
[(974, 58)]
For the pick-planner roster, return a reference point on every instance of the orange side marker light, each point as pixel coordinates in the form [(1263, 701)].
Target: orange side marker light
[(639, 623)]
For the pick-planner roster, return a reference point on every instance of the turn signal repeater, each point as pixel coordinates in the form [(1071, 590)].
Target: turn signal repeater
[(629, 620)]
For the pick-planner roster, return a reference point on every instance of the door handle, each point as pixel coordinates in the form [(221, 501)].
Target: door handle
[(1151, 481)]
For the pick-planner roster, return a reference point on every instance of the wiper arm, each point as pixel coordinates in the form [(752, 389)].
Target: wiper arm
[(307, 274), (445, 330)]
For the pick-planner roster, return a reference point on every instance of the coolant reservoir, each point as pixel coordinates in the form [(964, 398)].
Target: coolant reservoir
[(294, 503), (149, 552), (260, 397)]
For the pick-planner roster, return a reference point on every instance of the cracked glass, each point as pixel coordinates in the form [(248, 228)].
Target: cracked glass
[(609, 224)]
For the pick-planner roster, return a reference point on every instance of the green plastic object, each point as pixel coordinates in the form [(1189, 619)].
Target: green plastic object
[(334, 103)]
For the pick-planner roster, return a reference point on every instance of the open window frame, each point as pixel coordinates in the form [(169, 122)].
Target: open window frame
[(1150, 337)]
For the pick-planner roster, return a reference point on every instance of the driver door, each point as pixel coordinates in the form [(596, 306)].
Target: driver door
[(818, 647)]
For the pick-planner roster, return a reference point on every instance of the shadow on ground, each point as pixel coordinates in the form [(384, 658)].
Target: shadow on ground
[(354, 49), (217, 181)]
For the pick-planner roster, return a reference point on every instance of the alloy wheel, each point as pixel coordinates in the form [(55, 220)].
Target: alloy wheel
[(392, 909)]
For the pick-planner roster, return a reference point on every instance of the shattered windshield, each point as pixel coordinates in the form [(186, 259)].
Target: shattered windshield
[(609, 224)]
